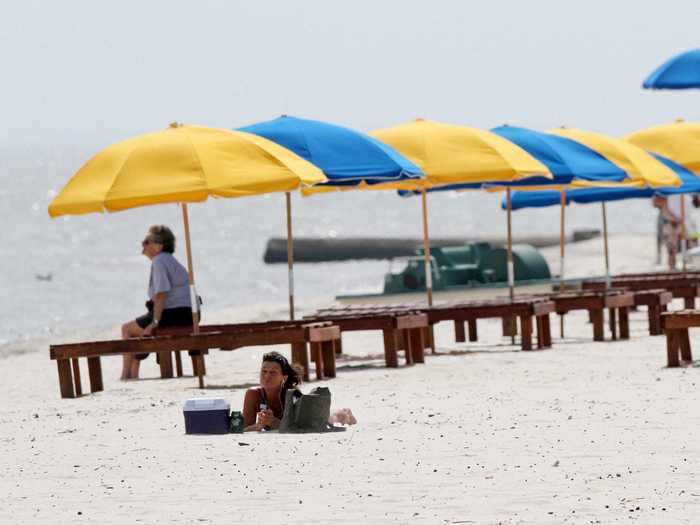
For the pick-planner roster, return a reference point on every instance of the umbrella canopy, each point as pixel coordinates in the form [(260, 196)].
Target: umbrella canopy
[(450, 154), (345, 156), (182, 164), (679, 72), (639, 165), (540, 199), (679, 141), (566, 160)]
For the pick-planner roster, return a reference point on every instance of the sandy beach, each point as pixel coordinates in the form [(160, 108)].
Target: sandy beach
[(481, 433)]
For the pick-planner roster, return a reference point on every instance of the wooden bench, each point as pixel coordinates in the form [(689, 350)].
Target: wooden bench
[(468, 312), (402, 330), (320, 338), (525, 308), (681, 286), (595, 302), (675, 325)]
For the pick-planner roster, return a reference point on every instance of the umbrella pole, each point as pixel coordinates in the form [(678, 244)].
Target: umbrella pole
[(426, 249), (511, 273), (194, 298), (684, 243), (290, 255), (605, 245), (562, 241)]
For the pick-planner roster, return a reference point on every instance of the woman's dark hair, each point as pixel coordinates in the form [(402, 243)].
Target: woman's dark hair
[(163, 235), (293, 372)]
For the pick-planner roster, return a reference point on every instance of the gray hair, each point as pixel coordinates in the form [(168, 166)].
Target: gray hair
[(161, 234)]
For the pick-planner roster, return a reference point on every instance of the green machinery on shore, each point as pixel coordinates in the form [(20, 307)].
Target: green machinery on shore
[(472, 265)]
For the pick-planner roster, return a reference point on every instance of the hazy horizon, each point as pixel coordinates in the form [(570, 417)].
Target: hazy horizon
[(90, 73)]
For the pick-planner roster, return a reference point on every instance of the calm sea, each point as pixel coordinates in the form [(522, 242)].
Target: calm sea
[(77, 275)]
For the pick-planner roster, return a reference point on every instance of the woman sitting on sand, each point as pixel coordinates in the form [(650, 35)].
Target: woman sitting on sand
[(263, 405), (168, 291)]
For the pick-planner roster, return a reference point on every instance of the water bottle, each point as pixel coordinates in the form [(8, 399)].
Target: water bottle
[(237, 424)]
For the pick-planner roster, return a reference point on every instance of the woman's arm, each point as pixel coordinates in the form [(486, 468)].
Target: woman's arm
[(251, 402)]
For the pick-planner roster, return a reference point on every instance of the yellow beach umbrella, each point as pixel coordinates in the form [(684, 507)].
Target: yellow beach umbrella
[(182, 164), (640, 166), (679, 141), (451, 154)]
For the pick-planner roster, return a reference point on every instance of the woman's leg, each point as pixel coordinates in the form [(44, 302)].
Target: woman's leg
[(130, 365)]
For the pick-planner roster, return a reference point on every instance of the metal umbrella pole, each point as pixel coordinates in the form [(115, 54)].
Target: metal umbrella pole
[(562, 244), (605, 244), (426, 250), (290, 255), (194, 298)]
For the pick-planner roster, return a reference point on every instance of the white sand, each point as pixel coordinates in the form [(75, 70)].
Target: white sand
[(482, 433)]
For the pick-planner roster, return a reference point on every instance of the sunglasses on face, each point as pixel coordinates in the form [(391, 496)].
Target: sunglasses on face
[(146, 242)]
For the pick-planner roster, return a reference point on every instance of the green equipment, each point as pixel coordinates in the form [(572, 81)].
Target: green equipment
[(470, 265)]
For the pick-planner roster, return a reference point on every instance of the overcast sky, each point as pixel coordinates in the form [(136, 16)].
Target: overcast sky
[(98, 71)]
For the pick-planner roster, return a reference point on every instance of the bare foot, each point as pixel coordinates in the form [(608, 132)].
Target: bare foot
[(343, 416)]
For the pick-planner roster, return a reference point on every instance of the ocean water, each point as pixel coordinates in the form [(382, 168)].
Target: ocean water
[(65, 277)]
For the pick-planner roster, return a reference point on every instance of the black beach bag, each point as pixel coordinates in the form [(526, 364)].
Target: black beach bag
[(307, 412)]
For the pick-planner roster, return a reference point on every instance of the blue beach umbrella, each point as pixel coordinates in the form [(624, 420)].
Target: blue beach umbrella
[(680, 72), (347, 158), (690, 183)]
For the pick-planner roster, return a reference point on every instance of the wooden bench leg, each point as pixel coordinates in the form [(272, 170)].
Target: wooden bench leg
[(300, 355), (672, 348), (526, 329), (612, 322), (654, 316), (328, 356), (689, 303), (547, 331), (339, 345), (417, 345), (431, 337), (460, 336), (510, 326), (391, 358), (405, 336), (473, 335), (596, 317), (686, 353), (561, 324), (65, 378), (540, 330), (624, 322), (76, 377), (178, 363), (166, 364), (95, 373), (317, 356)]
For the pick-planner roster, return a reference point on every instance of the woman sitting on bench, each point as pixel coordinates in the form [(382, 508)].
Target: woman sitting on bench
[(168, 291), (263, 405)]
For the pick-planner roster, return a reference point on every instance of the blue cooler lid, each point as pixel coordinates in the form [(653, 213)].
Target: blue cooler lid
[(206, 403)]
